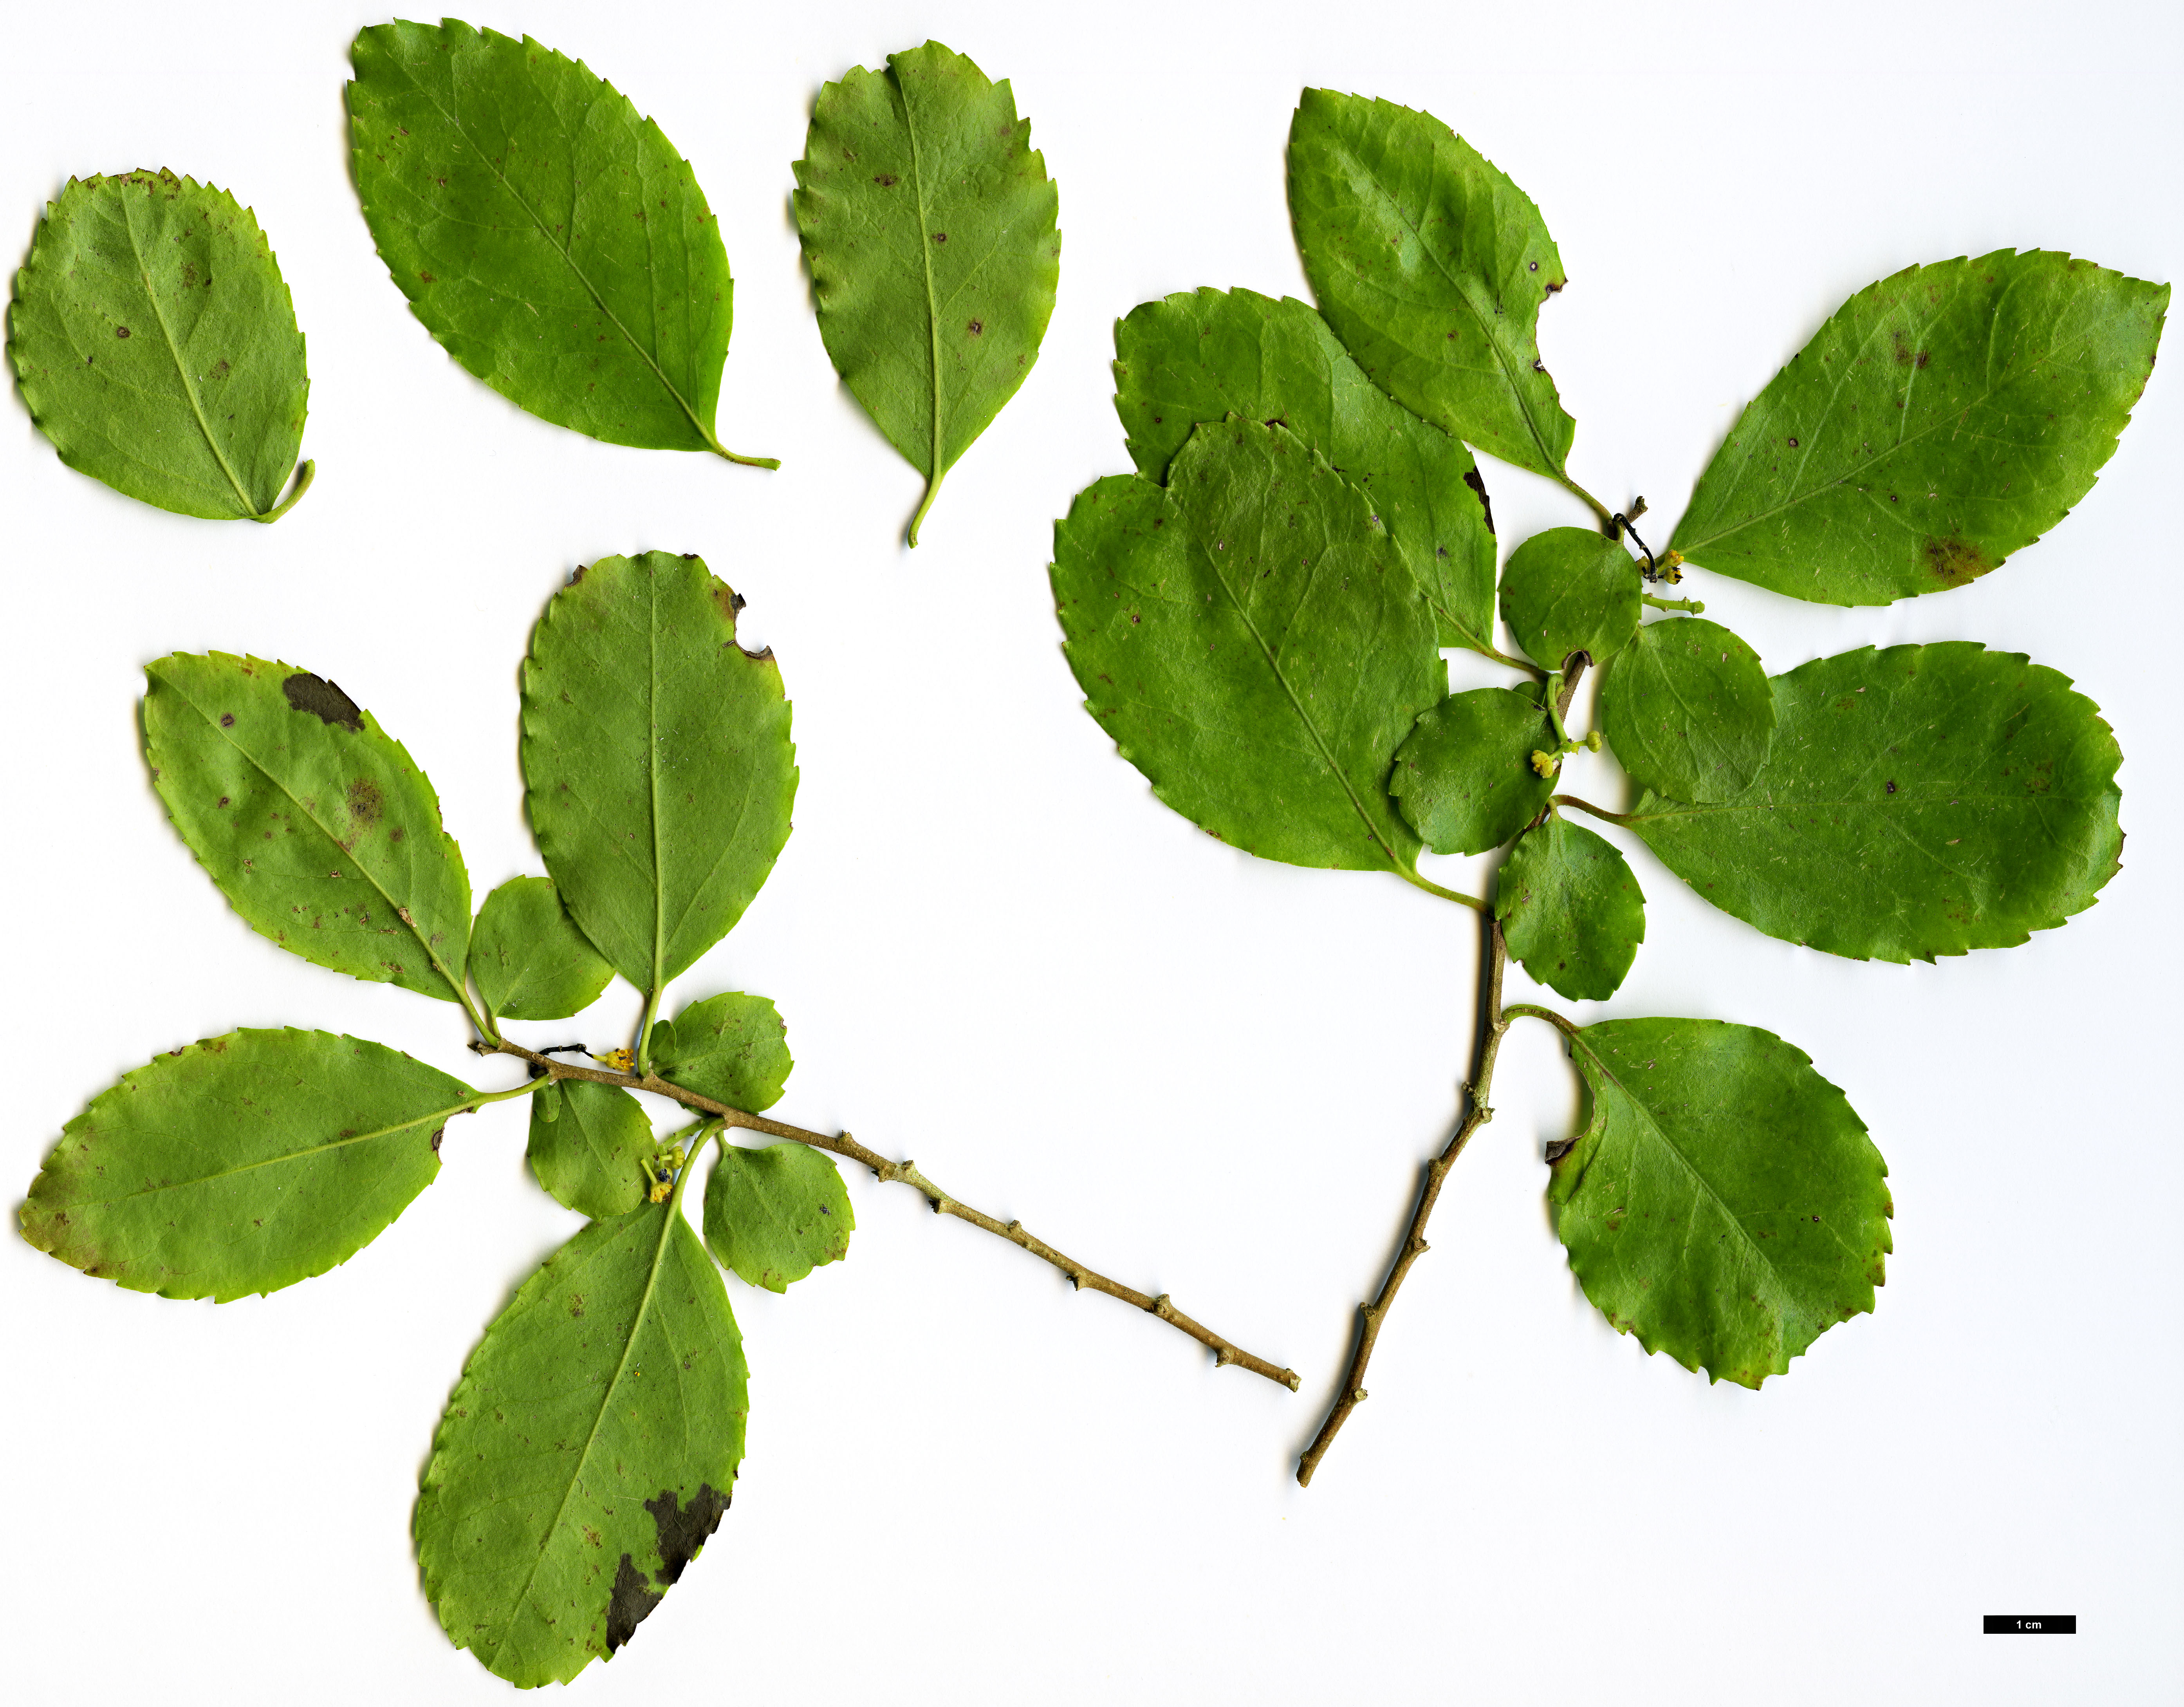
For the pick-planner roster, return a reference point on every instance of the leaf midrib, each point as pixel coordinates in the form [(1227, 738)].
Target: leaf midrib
[(539, 226), (925, 256)]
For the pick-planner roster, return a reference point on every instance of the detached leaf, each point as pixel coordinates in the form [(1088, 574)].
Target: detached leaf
[(157, 349), (1431, 266), (244, 1163), (585, 1142), (528, 957), (1569, 590), (1465, 780), (545, 233), (1942, 419), (1723, 1203), (1254, 644), (657, 760), (588, 1452), (928, 223), (318, 827), (1570, 910), (775, 1213), (1205, 355), (732, 1048), (1688, 710), (1918, 801)]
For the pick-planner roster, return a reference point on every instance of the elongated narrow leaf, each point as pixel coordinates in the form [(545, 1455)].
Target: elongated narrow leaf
[(157, 347), (586, 1140), (1942, 419), (1204, 356), (1722, 1202), (528, 957), (544, 230), (1917, 801), (1465, 780), (588, 1452), (1569, 590), (775, 1213), (732, 1048), (1688, 710), (1570, 910), (928, 223), (1431, 266), (244, 1163), (657, 760), (1254, 644), (316, 824)]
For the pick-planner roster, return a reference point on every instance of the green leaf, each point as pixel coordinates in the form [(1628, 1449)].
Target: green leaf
[(1918, 801), (732, 1048), (157, 349), (1940, 419), (528, 957), (1431, 266), (1570, 910), (1722, 1202), (775, 1213), (1465, 780), (1254, 644), (657, 759), (244, 1163), (589, 1450), (317, 826), (1204, 356), (545, 233), (1688, 710), (586, 1140), (1569, 590), (928, 224)]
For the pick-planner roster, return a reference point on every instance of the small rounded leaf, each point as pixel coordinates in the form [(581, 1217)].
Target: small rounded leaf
[(732, 1048), (1465, 777), (528, 957), (775, 1213), (1688, 709), (1570, 910), (586, 1143), (1569, 590)]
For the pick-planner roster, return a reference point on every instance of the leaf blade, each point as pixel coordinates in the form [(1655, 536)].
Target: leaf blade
[(273, 776), (1464, 779), (1570, 590), (1942, 419), (776, 1212), (244, 1163), (1917, 801), (1723, 1203), (1570, 910), (584, 1147), (732, 1047), (929, 226), (1688, 710), (528, 957), (156, 346)]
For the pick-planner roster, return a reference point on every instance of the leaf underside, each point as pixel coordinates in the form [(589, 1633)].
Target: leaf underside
[(589, 1450), (1940, 419), (316, 825), (156, 346), (929, 226), (244, 1163), (1723, 1203), (1204, 356), (732, 1048), (1431, 266), (1917, 801), (776, 1213), (586, 1139), (1464, 779), (1571, 911), (657, 761), (1688, 710), (545, 233), (1254, 644), (528, 957), (1569, 590)]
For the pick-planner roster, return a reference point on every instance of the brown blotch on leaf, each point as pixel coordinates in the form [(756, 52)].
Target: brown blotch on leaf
[(1954, 561), (1471, 479), (684, 1529), (630, 1605), (323, 699), (366, 808), (121, 331), (887, 180)]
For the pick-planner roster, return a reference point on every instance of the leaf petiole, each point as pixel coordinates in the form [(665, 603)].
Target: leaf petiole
[(931, 492), (304, 474)]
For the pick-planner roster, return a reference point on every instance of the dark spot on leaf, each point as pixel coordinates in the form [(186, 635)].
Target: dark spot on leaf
[(428, 278), (977, 328), (1535, 266), (223, 799), (1891, 788), (1954, 561), (325, 701), (436, 1141), (887, 180), (121, 331), (1793, 444), (631, 1605), (365, 807), (1471, 479), (228, 720), (940, 237)]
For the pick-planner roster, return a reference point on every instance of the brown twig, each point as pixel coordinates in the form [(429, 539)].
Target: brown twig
[(906, 1174), (1492, 1024)]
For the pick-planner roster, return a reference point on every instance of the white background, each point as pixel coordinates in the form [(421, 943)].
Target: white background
[(999, 955)]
